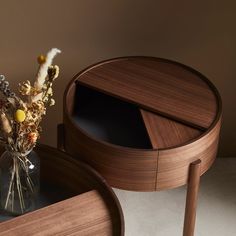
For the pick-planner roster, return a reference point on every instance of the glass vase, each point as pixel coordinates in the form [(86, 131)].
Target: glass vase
[(19, 182)]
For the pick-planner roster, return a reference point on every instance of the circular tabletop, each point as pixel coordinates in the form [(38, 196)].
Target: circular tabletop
[(82, 200), (154, 115)]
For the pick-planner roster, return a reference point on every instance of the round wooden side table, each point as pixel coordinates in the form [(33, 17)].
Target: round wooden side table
[(74, 200), (146, 124)]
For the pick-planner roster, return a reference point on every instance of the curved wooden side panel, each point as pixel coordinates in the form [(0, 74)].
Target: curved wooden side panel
[(62, 170), (166, 165), (125, 168), (75, 178), (173, 164), (69, 217)]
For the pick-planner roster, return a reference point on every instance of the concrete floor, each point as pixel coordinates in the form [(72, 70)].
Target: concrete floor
[(162, 213)]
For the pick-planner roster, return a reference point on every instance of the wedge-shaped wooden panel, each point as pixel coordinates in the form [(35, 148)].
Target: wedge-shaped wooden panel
[(122, 167), (180, 121), (166, 133), (173, 164), (158, 85), (85, 214)]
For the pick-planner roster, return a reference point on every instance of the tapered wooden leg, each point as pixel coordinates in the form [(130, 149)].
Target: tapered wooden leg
[(191, 199), (60, 137)]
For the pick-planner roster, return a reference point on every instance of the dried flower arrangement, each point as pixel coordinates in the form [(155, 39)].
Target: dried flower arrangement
[(20, 119)]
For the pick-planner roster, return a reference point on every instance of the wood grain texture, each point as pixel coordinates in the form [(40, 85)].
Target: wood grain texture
[(157, 85), (85, 214), (143, 170), (191, 199), (186, 114), (62, 170), (126, 168), (166, 133), (173, 164), (102, 210)]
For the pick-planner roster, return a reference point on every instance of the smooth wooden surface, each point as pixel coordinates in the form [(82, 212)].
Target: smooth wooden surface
[(102, 210), (167, 133), (173, 164), (127, 168), (181, 112), (158, 85), (191, 199), (85, 214)]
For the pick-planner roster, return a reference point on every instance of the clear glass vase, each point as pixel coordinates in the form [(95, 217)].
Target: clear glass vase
[(19, 182)]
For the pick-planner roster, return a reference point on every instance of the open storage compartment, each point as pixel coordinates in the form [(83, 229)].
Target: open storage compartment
[(161, 115), (109, 119)]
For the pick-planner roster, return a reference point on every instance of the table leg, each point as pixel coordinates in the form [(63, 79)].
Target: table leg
[(191, 199), (60, 137)]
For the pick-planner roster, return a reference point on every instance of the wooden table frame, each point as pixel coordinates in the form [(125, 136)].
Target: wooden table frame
[(191, 199), (192, 187), (180, 109), (84, 189)]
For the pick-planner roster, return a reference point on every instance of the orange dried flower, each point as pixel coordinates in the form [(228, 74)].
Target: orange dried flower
[(32, 137)]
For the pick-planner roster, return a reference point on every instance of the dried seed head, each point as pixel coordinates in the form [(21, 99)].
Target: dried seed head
[(20, 115), (25, 88), (32, 137), (41, 59), (53, 72), (6, 127), (2, 77), (52, 102)]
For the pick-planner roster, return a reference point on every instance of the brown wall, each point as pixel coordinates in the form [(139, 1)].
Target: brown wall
[(201, 34)]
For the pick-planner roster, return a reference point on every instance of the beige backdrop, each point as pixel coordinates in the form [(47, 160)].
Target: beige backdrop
[(201, 34)]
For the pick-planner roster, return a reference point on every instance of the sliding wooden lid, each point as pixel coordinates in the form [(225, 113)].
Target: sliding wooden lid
[(159, 86), (180, 110)]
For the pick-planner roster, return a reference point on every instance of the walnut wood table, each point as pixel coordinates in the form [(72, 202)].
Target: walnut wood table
[(146, 124), (74, 200)]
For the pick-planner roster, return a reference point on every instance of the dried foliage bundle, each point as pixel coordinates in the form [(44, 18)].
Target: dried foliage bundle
[(20, 116)]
